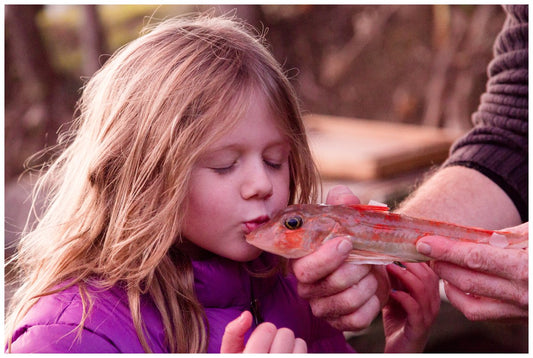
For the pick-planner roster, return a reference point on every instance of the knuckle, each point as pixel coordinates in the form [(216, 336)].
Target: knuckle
[(337, 283), (318, 308), (304, 290), (475, 258), (362, 318), (523, 270), (369, 285), (302, 272), (466, 284), (286, 332), (522, 297), (350, 276)]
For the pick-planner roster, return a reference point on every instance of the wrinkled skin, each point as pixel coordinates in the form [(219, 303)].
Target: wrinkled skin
[(348, 296), (482, 281)]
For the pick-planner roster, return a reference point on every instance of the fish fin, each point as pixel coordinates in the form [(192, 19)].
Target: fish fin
[(370, 207), (368, 257), (519, 245)]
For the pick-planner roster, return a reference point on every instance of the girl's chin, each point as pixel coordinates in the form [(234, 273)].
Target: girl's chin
[(249, 253), (248, 256), (241, 253)]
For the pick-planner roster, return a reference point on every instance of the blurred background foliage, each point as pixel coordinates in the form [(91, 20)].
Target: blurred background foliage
[(419, 64), (423, 64)]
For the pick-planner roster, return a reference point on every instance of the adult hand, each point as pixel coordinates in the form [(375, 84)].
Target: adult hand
[(266, 338), (482, 281), (347, 295)]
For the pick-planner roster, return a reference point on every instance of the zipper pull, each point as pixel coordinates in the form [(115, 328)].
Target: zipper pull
[(256, 312)]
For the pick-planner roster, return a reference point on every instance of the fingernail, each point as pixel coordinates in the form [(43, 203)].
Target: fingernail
[(423, 248), (344, 247), (398, 263), (498, 240)]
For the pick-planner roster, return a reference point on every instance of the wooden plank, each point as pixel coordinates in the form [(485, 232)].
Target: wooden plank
[(349, 148)]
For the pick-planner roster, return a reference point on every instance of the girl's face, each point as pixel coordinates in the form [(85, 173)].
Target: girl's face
[(240, 182)]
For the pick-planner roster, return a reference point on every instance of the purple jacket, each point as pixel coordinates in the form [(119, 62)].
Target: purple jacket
[(225, 289)]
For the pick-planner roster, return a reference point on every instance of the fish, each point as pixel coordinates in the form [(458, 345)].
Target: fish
[(378, 235)]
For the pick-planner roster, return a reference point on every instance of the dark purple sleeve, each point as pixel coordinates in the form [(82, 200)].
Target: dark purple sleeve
[(497, 146)]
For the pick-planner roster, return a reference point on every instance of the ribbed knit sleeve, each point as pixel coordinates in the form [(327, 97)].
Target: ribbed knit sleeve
[(497, 146)]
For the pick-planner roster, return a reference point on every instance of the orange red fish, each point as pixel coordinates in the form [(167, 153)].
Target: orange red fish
[(378, 236)]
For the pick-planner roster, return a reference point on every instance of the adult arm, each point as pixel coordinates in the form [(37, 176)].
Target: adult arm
[(463, 196), (484, 183), (479, 278)]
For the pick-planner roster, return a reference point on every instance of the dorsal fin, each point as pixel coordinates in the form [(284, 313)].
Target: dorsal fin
[(369, 207)]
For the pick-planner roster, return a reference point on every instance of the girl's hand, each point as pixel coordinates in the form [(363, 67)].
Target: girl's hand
[(266, 338), (412, 308)]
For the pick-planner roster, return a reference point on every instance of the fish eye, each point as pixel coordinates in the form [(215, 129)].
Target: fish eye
[(293, 223)]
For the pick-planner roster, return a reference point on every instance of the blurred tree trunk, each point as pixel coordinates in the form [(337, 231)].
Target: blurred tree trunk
[(29, 56), (34, 87), (92, 40), (458, 41)]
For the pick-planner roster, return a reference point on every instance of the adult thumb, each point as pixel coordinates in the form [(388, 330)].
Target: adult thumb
[(233, 339)]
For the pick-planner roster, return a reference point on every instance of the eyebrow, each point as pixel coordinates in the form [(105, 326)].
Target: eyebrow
[(236, 147)]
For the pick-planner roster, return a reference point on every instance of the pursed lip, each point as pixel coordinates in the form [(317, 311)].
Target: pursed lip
[(249, 226)]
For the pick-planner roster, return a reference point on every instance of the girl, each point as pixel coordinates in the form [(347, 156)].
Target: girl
[(187, 138)]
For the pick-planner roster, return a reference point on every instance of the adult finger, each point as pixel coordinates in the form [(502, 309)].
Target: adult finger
[(342, 278), (481, 284), (478, 308), (341, 195), (359, 319), (233, 339), (346, 301), (508, 263), (323, 261), (520, 229)]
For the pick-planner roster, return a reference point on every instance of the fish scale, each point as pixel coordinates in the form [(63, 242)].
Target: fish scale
[(378, 236)]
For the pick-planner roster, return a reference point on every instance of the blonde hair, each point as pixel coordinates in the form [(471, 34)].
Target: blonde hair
[(116, 194)]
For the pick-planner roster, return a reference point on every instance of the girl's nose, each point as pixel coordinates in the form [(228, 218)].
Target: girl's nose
[(257, 183)]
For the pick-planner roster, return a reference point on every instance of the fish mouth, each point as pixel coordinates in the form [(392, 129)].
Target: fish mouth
[(249, 226)]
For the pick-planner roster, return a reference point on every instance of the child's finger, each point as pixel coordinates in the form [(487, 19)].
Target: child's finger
[(283, 341), (411, 307), (422, 271), (261, 338), (424, 292), (233, 339), (300, 346), (409, 281), (430, 281)]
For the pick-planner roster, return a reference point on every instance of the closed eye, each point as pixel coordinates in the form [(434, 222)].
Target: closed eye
[(273, 165), (224, 169)]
